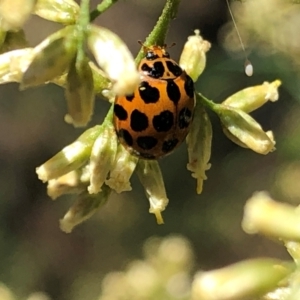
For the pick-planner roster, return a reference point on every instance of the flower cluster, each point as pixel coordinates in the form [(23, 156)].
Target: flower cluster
[(96, 164), (166, 272), (61, 57), (163, 273), (260, 278), (7, 293)]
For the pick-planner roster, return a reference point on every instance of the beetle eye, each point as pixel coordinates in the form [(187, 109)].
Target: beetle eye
[(151, 55), (166, 54)]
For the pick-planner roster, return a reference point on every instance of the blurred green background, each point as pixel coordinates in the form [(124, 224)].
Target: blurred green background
[(36, 256)]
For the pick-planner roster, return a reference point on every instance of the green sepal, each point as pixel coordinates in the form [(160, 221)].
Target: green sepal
[(80, 93), (52, 57), (85, 206)]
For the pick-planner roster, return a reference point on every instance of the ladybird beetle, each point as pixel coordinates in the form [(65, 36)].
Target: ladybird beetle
[(155, 119)]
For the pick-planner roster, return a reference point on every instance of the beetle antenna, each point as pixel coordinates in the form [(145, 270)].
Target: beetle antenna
[(169, 46), (145, 48)]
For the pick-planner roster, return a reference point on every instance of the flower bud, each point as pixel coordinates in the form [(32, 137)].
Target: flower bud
[(234, 139), (121, 171), (151, 178), (13, 64), (244, 280), (79, 93), (51, 58), (199, 145), (71, 157), (265, 216), (102, 157), (85, 206), (141, 279), (174, 252), (60, 11), (251, 98), (69, 183), (245, 129), (193, 57), (114, 58), (14, 13)]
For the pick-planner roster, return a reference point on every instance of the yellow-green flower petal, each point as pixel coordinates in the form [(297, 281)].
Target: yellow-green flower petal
[(114, 58), (199, 145), (85, 206), (14, 13), (51, 58), (71, 157), (79, 93), (244, 280), (13, 64), (265, 216), (193, 56), (69, 183), (251, 98), (121, 171), (244, 128), (151, 178), (60, 11), (102, 157)]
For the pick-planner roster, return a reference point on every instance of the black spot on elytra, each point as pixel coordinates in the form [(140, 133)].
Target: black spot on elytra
[(129, 97), (156, 71), (159, 69), (174, 68), (146, 142), (147, 69), (169, 145), (148, 93), (184, 118), (126, 136), (164, 121), (189, 86), (138, 121), (120, 112), (173, 91)]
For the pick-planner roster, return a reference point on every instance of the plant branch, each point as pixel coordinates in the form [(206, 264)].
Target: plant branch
[(206, 102), (159, 32), (101, 8), (83, 21)]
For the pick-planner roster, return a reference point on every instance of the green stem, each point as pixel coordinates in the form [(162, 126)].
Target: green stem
[(83, 21), (207, 103), (101, 8), (159, 32)]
